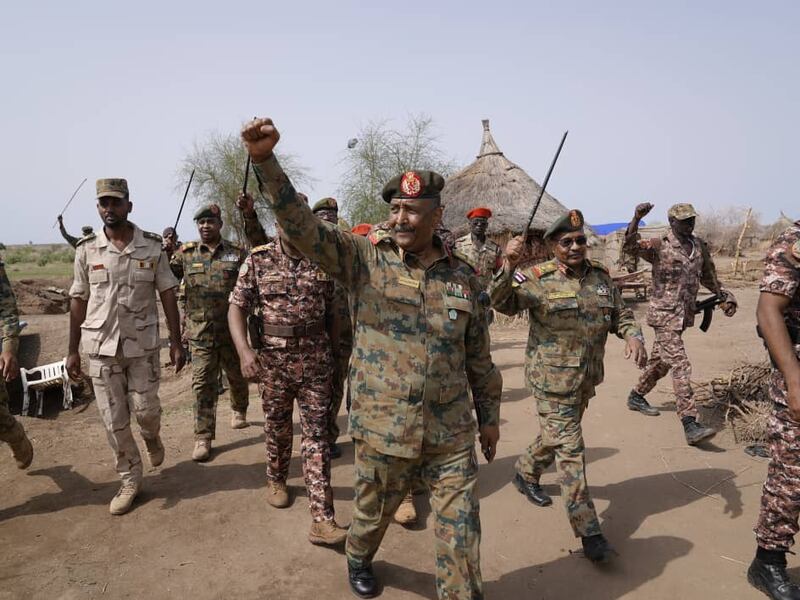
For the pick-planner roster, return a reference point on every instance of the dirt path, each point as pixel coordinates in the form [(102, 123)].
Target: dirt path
[(680, 518)]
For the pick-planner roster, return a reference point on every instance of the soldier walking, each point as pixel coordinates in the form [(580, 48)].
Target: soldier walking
[(114, 317), (209, 268), (572, 305), (293, 297), (681, 263), (779, 323), (420, 340), (11, 431)]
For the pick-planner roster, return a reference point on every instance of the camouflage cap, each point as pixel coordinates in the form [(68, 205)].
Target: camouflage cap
[(414, 184), (87, 229), (208, 211), (116, 188), (681, 212), (571, 221), (325, 204)]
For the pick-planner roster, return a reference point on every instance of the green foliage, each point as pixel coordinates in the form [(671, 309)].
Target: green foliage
[(381, 153), (40, 255), (219, 161)]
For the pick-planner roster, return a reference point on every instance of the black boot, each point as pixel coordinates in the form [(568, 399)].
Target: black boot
[(638, 402), (696, 433), (771, 578), (596, 548), (363, 581), (532, 491)]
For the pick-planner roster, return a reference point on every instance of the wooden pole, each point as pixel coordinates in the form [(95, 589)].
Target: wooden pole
[(739, 241)]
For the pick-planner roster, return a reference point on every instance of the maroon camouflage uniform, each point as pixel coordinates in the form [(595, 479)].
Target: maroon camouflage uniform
[(780, 501), (677, 277), (296, 362)]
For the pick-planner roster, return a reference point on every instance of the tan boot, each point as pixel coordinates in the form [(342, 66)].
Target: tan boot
[(277, 494), (155, 451), (122, 502), (239, 420), (21, 447), (406, 514), (202, 450), (327, 533)]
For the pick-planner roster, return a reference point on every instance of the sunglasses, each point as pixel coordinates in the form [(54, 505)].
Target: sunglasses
[(567, 243)]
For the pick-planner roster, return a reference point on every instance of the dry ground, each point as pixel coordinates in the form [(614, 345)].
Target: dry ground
[(680, 518)]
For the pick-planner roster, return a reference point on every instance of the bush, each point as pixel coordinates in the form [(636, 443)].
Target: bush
[(43, 260)]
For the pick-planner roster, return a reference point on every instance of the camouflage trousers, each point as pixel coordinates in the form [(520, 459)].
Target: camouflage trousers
[(338, 388), (206, 365), (286, 377), (125, 386), (560, 439), (780, 499), (382, 482), (669, 353), (11, 430)]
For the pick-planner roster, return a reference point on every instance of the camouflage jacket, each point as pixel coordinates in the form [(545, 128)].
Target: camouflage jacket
[(782, 276), (343, 335), (421, 341), (288, 292), (570, 320), (485, 260), (120, 287), (208, 278), (254, 231), (9, 316), (677, 277)]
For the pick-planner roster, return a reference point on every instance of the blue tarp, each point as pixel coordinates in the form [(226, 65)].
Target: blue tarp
[(606, 228)]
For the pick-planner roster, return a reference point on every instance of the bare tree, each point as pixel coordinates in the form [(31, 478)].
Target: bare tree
[(381, 152), (218, 161)]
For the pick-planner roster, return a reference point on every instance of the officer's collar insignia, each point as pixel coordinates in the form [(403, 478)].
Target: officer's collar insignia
[(574, 218), (410, 184)]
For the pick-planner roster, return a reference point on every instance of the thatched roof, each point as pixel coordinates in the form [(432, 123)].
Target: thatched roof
[(499, 184)]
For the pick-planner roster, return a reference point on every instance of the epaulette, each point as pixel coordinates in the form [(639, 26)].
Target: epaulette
[(85, 239), (260, 248), (378, 235), (152, 236), (188, 246), (544, 268), (598, 265)]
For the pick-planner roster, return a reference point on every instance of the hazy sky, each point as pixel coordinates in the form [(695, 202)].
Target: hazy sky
[(665, 101)]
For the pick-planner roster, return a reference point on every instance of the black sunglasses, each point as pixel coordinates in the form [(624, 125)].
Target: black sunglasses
[(567, 242)]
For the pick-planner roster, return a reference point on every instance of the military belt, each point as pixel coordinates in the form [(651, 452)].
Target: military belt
[(290, 331)]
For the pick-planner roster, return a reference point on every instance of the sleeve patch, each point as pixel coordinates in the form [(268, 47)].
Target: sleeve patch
[(519, 277)]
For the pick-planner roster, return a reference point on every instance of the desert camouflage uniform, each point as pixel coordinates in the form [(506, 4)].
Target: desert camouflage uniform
[(11, 430), (780, 501), (342, 342), (296, 362), (420, 345), (570, 320), (677, 277), (120, 335), (208, 278)]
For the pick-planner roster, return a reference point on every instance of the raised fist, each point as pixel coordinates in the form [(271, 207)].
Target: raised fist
[(260, 137), (642, 210)]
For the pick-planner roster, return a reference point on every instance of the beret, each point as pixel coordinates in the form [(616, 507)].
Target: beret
[(413, 184), (208, 211), (480, 211), (571, 221)]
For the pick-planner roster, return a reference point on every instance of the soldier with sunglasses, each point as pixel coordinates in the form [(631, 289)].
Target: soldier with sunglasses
[(572, 305)]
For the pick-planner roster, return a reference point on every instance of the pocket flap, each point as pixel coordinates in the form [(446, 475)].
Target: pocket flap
[(562, 360), (95, 368), (98, 276), (458, 303), (557, 302), (144, 275), (403, 293)]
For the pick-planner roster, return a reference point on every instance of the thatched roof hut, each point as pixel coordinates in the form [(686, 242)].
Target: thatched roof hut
[(499, 184)]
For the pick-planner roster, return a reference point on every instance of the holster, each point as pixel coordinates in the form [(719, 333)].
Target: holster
[(255, 329)]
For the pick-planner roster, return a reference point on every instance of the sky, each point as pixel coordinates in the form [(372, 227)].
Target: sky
[(665, 101)]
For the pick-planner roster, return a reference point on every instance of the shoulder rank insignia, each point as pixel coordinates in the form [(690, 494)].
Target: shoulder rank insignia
[(378, 235), (796, 250), (86, 238), (188, 246), (260, 248), (544, 268), (598, 265), (152, 236)]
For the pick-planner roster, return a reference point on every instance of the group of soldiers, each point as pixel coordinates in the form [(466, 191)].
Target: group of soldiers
[(393, 317)]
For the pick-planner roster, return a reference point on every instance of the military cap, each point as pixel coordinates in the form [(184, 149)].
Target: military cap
[(681, 212), (479, 212), (116, 188), (571, 221), (87, 229), (362, 229), (414, 184), (325, 204), (208, 211)]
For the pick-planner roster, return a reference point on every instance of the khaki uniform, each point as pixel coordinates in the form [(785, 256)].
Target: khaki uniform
[(570, 320), (11, 430), (780, 501), (208, 278), (420, 365), (120, 335)]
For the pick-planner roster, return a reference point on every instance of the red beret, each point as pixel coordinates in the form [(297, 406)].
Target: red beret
[(362, 229), (479, 212)]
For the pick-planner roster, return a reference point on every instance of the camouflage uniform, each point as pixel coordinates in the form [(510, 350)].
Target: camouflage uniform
[(342, 343), (677, 277), (120, 335), (208, 278), (419, 337), (11, 431), (485, 260), (570, 320), (780, 501), (296, 362)]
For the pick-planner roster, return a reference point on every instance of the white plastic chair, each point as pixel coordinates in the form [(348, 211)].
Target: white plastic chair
[(42, 378)]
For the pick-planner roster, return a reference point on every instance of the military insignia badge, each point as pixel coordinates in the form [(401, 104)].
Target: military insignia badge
[(574, 218), (519, 277), (603, 290), (410, 184), (452, 314)]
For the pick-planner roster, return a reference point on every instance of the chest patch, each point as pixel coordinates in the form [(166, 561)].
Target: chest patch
[(456, 290), (561, 295), (98, 267), (519, 277), (408, 282)]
